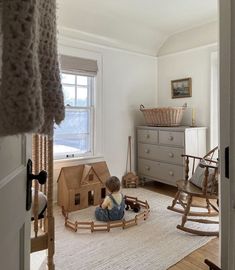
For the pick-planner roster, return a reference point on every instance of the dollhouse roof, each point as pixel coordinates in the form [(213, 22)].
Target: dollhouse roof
[(101, 169), (76, 176)]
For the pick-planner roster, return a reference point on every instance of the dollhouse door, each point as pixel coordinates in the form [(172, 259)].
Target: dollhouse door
[(14, 219)]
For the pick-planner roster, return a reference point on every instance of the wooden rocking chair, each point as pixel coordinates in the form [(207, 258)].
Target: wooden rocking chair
[(205, 170), (211, 265)]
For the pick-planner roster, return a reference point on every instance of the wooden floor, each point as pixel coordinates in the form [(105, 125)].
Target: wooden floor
[(195, 260)]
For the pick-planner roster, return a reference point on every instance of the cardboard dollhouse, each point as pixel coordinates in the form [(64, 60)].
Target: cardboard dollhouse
[(82, 185)]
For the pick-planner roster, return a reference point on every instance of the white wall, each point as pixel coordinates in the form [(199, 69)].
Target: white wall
[(196, 64), (127, 80)]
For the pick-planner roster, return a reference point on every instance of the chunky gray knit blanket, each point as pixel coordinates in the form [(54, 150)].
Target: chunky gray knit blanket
[(31, 97)]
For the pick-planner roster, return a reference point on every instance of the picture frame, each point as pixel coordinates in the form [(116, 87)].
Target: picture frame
[(181, 88)]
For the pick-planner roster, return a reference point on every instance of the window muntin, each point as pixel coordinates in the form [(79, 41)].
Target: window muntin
[(74, 136)]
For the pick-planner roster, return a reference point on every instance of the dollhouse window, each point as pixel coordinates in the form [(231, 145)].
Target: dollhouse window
[(103, 193), (77, 199), (91, 177)]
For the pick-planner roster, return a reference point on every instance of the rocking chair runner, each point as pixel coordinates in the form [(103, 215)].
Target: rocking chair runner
[(208, 166), (211, 265)]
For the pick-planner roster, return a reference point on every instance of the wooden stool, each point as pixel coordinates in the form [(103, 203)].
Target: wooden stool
[(130, 180)]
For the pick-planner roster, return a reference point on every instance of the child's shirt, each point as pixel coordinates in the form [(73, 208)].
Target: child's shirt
[(108, 203)]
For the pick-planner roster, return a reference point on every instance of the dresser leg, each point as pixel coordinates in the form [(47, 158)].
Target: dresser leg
[(142, 181)]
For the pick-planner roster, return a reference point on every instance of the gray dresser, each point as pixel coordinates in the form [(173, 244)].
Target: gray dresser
[(159, 151)]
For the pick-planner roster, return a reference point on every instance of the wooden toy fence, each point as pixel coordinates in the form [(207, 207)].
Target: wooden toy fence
[(42, 235), (107, 226)]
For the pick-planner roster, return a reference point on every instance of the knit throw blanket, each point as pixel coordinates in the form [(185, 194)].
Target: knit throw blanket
[(31, 97)]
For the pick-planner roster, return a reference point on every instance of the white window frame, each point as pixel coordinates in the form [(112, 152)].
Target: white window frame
[(72, 48), (90, 108)]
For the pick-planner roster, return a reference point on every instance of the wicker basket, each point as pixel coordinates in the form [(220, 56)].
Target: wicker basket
[(164, 117)]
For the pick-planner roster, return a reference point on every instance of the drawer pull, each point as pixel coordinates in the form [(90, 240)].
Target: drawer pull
[(171, 155), (147, 168), (147, 151), (171, 173), (147, 136), (170, 138)]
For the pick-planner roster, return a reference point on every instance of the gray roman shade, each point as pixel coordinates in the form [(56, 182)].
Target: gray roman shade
[(75, 64)]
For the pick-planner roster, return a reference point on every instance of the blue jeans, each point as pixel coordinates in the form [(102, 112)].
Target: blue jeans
[(116, 213), (101, 214), (107, 215)]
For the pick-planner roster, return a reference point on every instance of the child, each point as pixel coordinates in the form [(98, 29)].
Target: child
[(112, 208)]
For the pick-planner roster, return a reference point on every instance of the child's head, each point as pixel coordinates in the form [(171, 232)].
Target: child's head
[(113, 184)]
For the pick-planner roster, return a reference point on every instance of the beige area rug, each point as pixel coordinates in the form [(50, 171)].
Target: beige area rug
[(154, 244)]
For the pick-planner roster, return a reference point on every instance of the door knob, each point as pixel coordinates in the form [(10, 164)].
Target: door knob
[(41, 177)]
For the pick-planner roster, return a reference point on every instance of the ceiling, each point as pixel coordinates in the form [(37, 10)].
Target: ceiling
[(139, 25)]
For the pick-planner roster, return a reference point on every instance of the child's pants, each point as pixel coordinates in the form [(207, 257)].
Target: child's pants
[(101, 214)]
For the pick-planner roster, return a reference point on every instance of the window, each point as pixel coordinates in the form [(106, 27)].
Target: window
[(77, 199), (74, 136), (91, 194)]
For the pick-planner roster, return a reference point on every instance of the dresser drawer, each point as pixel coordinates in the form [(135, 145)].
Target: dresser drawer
[(147, 136), (171, 138), (161, 153), (159, 170)]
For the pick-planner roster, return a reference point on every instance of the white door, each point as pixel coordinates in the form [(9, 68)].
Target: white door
[(227, 133), (14, 219)]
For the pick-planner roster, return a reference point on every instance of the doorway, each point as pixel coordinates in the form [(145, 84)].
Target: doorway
[(214, 101), (91, 194)]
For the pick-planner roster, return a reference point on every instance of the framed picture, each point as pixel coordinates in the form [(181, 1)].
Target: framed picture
[(181, 88)]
